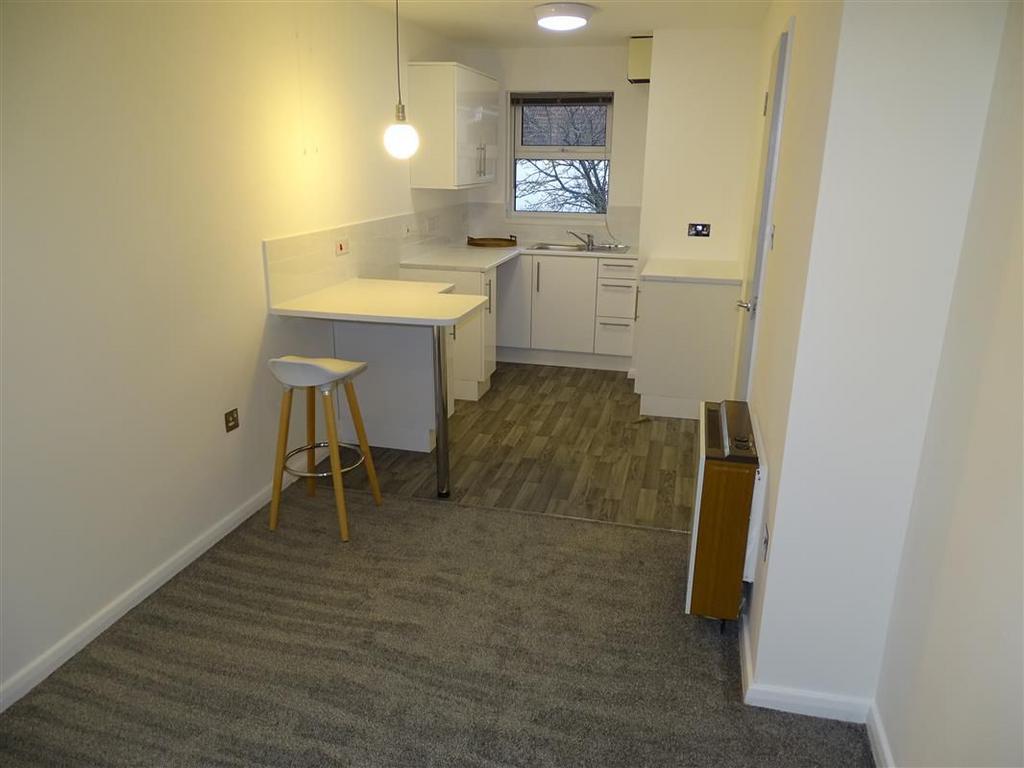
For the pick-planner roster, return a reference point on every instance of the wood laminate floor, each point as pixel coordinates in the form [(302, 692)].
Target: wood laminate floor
[(564, 441)]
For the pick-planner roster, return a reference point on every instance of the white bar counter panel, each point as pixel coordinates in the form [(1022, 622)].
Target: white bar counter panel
[(401, 329)]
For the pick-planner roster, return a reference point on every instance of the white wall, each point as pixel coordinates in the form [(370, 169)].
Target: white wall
[(911, 85), (147, 150), (703, 133), (951, 684)]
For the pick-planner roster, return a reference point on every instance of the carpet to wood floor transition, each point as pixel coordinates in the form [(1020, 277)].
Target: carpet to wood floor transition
[(441, 635)]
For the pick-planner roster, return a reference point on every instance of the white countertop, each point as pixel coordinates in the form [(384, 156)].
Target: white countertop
[(459, 258), (692, 271), (402, 302), (468, 258)]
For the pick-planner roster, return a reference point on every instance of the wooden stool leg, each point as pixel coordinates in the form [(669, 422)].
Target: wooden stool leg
[(311, 438), (357, 420), (332, 440), (282, 447)]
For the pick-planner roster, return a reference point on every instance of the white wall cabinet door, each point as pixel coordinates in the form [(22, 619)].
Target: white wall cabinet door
[(515, 301), (564, 303), (455, 110)]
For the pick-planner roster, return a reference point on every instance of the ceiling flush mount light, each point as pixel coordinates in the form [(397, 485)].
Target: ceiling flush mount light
[(563, 17), (400, 139)]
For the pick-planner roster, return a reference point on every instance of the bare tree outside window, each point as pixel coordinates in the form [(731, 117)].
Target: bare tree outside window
[(560, 163)]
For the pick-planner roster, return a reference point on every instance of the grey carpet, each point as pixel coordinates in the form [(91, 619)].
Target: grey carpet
[(441, 635)]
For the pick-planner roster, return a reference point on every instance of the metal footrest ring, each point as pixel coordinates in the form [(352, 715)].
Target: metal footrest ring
[(342, 447)]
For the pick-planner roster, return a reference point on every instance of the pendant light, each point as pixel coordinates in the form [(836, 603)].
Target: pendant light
[(400, 139)]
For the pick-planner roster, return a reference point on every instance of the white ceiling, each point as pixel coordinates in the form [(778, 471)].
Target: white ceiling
[(512, 23)]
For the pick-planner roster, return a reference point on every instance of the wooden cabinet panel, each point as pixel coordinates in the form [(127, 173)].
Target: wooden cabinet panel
[(726, 493)]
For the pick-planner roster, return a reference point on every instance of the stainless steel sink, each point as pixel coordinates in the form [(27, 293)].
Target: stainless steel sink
[(558, 247), (611, 248)]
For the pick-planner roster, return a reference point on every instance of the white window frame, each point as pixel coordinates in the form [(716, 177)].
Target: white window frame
[(518, 150)]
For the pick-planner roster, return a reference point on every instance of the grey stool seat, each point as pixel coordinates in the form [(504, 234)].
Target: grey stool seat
[(323, 374)]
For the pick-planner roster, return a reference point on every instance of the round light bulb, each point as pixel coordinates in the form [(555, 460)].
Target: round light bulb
[(563, 17), (401, 140)]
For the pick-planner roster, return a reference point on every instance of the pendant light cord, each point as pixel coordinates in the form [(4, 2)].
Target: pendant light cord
[(398, 57)]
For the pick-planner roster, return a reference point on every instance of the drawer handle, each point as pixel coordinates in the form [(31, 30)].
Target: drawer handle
[(613, 285), (617, 325), (618, 266)]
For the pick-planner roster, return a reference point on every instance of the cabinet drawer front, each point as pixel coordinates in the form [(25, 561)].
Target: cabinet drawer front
[(617, 268), (616, 298), (613, 336)]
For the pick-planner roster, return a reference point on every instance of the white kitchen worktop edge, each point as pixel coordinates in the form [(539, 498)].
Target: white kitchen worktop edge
[(692, 271), (467, 258), (400, 302)]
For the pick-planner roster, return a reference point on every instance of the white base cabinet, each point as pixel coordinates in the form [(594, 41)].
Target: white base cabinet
[(685, 346), (564, 303), (474, 340)]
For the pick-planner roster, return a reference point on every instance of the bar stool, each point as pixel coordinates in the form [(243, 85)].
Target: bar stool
[(311, 374)]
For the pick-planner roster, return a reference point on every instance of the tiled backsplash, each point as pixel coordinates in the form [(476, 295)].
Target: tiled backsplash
[(491, 220), (301, 264)]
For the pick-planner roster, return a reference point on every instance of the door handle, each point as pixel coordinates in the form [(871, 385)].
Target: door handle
[(488, 297), (746, 306), (538, 277)]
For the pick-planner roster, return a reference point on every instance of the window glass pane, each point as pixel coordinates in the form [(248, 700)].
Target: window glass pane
[(562, 186), (564, 125)]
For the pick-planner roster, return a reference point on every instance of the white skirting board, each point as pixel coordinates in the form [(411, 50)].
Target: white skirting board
[(46, 663), (850, 709), (563, 359), (879, 740)]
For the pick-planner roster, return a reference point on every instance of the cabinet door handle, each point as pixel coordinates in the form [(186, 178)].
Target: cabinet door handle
[(618, 266), (613, 285), (538, 277), (617, 325), (483, 168), (636, 305), (454, 336), (488, 297)]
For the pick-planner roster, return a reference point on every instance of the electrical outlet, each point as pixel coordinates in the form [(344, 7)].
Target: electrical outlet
[(231, 420), (699, 230), (342, 247), (433, 224)]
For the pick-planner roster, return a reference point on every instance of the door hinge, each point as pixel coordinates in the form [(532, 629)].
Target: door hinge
[(771, 239), (764, 111)]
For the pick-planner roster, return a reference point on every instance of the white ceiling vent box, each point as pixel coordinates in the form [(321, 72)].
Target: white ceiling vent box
[(638, 66)]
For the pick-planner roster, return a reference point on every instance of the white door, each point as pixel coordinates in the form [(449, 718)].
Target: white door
[(564, 303), (764, 234), (515, 301)]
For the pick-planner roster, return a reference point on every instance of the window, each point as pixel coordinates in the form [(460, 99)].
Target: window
[(560, 156)]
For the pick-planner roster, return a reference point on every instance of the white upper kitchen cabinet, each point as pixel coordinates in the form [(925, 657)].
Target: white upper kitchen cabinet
[(564, 303), (455, 110)]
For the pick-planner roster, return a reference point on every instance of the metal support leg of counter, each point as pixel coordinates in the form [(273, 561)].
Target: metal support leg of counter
[(441, 410)]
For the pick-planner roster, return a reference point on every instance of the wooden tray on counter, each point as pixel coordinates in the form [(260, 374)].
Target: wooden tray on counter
[(492, 242)]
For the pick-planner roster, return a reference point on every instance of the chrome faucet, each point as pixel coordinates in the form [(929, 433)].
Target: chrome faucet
[(587, 241)]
